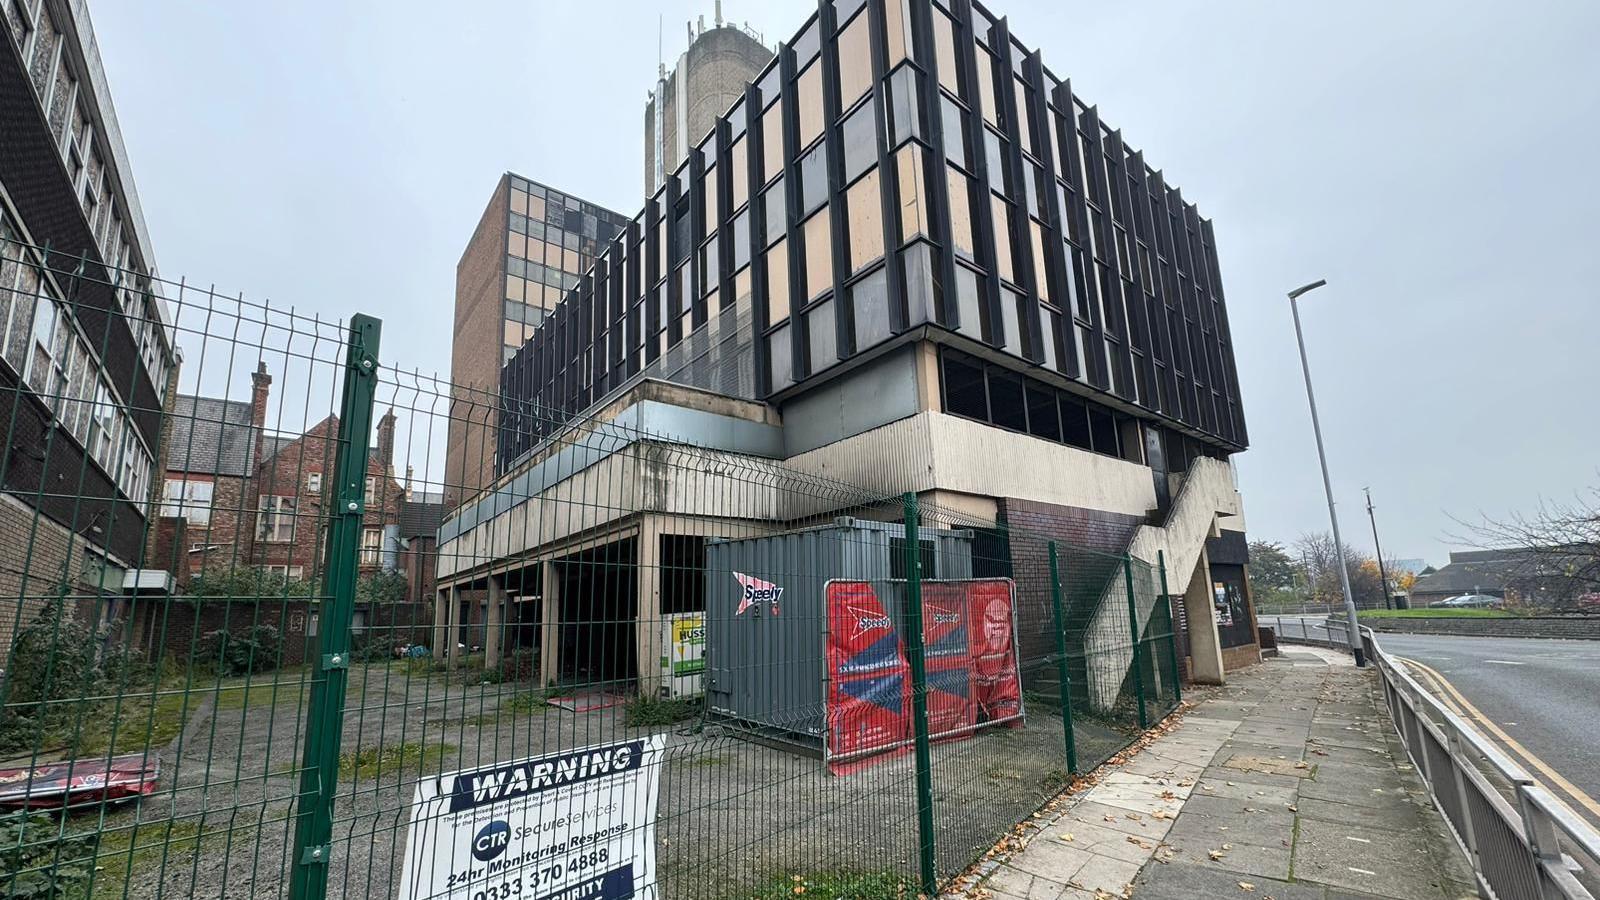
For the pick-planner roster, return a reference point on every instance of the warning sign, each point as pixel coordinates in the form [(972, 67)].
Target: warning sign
[(574, 825)]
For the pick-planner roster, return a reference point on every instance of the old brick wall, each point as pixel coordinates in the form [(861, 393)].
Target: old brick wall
[(31, 568), (285, 474), (177, 627), (1084, 575), (476, 357)]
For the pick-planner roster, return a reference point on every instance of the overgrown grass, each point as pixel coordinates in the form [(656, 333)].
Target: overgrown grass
[(140, 722), (259, 693), (1427, 613), (651, 712), (125, 853), (368, 762), (840, 886)]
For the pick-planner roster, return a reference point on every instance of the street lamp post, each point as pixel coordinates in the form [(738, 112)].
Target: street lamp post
[(1383, 573), (1327, 485)]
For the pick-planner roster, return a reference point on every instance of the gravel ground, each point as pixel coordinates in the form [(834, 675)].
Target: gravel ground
[(734, 815)]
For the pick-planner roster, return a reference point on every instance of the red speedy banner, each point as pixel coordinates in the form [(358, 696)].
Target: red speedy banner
[(869, 694), (948, 658), (971, 664), (997, 675)]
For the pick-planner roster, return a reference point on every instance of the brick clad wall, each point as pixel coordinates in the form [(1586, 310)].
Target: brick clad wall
[(22, 532), (285, 474), (177, 627), (1083, 575), (228, 540), (479, 332)]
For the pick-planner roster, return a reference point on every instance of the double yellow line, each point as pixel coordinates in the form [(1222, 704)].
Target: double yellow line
[(1452, 698)]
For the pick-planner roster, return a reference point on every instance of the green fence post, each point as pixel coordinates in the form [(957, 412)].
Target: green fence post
[(1172, 629), (1133, 623), (919, 700), (313, 832), (1062, 671)]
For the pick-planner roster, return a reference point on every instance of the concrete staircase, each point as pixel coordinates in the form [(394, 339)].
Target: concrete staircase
[(1206, 493)]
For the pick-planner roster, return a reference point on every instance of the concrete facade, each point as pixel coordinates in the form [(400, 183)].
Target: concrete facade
[(709, 77)]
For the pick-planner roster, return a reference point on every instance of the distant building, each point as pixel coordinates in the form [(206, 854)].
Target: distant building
[(84, 349), (212, 449), (293, 482), (1538, 577), (708, 78), (530, 247)]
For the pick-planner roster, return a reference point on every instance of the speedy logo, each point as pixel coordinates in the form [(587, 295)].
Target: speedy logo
[(756, 591), (945, 616), (868, 620), (491, 841)]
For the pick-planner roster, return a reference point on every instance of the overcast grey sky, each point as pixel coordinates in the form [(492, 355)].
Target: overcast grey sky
[(1430, 159)]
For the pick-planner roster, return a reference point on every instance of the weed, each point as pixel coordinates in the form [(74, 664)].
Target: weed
[(127, 850), (369, 762), (265, 692), (651, 712)]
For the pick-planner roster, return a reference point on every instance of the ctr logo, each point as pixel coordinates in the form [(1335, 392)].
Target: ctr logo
[(491, 841), (756, 591), (869, 620)]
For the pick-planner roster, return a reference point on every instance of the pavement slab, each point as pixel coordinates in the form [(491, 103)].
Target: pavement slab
[(1284, 783)]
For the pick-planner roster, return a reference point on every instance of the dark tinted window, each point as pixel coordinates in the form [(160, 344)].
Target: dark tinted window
[(1043, 418), (1103, 431), (1075, 423), (1007, 408), (964, 392)]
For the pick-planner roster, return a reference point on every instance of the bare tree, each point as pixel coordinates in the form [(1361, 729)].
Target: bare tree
[(1557, 546), (1321, 564)]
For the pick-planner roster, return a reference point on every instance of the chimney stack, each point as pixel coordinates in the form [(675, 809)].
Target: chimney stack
[(260, 388), (386, 441)]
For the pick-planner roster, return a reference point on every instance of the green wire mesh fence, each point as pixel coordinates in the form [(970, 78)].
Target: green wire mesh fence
[(292, 620)]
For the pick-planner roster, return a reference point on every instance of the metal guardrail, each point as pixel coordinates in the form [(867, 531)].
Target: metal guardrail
[(1307, 630), (1521, 840)]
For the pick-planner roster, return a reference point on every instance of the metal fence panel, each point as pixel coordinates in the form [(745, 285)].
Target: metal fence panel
[(338, 595)]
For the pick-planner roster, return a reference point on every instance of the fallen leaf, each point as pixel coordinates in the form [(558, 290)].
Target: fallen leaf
[(1067, 837), (1227, 846), (1246, 886), (1302, 765), (1215, 854)]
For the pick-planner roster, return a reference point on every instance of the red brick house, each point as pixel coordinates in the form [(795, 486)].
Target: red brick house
[(213, 447), (294, 486)]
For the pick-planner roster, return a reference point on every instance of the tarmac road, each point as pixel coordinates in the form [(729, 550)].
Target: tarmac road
[(1544, 694)]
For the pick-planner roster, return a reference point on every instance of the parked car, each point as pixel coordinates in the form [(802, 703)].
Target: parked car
[(1468, 601)]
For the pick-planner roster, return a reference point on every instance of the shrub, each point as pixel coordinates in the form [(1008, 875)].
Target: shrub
[(646, 712), (52, 661), (38, 861), (259, 649)]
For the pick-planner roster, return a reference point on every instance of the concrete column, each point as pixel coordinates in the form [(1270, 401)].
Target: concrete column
[(1205, 644), (648, 646), (494, 615), (441, 622), (453, 627), (550, 625)]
